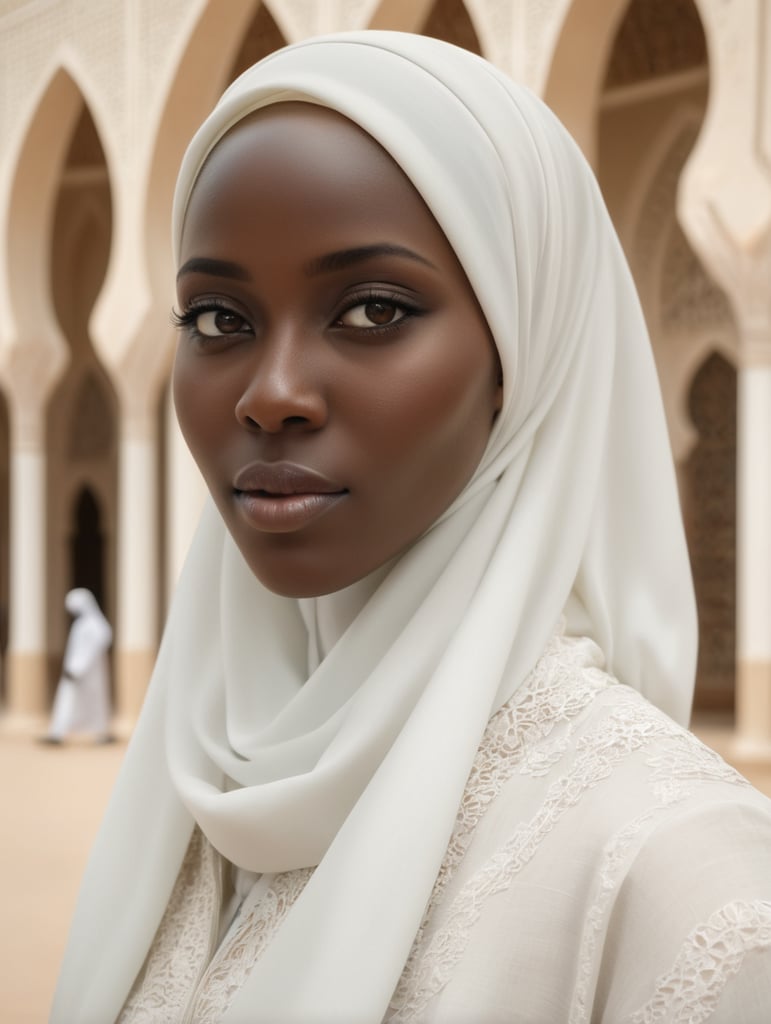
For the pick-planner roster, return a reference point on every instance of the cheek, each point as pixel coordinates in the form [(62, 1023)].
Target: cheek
[(198, 403), (434, 421)]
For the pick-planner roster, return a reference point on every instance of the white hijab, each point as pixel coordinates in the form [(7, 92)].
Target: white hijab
[(90, 633), (353, 757)]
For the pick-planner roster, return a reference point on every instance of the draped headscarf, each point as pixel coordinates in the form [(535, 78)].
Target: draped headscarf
[(294, 738)]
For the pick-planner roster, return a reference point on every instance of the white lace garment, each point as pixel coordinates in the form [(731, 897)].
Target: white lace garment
[(605, 866)]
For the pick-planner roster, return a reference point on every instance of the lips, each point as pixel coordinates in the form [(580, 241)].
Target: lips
[(283, 478), (280, 497)]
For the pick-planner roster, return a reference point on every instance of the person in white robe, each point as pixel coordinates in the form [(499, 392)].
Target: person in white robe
[(82, 699), (459, 790)]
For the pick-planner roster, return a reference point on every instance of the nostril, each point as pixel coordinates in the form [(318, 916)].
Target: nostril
[(286, 421)]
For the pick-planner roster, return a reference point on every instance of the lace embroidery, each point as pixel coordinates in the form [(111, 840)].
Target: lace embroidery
[(711, 955), (261, 918), (182, 943), (631, 725), (684, 759), (519, 737)]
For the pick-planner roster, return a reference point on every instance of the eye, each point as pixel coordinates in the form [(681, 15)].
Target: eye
[(210, 321), (373, 313), (214, 322)]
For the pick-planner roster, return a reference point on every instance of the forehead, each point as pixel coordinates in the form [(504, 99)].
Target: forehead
[(309, 161)]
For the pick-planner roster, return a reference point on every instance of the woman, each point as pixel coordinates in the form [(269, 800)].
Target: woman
[(388, 767)]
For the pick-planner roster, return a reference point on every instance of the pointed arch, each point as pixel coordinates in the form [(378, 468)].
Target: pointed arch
[(32, 201), (577, 70), (82, 411), (200, 76)]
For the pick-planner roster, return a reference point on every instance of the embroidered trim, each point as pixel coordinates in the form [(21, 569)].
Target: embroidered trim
[(260, 919), (182, 944), (711, 955), (518, 738), (685, 759)]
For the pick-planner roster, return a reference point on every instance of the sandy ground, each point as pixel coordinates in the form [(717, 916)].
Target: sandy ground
[(52, 799), (51, 802)]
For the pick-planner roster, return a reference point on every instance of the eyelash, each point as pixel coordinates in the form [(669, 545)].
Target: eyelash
[(185, 320), (407, 309)]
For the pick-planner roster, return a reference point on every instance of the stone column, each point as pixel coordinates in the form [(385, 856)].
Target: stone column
[(29, 375), (26, 665), (724, 206), (138, 568), (753, 662)]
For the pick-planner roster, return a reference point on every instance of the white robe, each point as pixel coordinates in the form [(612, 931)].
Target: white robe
[(591, 877), (82, 700)]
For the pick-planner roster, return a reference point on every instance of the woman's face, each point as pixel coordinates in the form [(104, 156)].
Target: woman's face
[(334, 379)]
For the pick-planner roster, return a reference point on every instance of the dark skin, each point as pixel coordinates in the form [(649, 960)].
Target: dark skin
[(335, 379)]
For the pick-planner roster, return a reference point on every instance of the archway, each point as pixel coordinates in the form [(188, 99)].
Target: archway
[(81, 420), (653, 103), (87, 554)]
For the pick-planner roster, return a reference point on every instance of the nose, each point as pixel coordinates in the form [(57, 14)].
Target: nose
[(283, 388)]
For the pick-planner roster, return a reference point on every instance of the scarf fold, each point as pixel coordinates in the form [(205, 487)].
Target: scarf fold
[(339, 732)]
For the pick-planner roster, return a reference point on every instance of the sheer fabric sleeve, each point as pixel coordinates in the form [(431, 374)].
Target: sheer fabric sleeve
[(690, 935)]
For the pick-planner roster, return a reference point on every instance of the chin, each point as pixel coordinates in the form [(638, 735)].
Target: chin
[(297, 577)]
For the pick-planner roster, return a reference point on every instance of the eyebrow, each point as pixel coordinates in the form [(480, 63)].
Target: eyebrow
[(323, 264), (218, 268), (347, 257)]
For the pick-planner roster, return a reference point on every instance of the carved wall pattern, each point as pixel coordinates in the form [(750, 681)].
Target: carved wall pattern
[(656, 37), (689, 299), (709, 507), (656, 211), (262, 37), (449, 20), (157, 25)]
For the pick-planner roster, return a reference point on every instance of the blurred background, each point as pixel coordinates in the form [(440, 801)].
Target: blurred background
[(670, 101)]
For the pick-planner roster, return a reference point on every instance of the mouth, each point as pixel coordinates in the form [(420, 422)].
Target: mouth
[(281, 497)]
